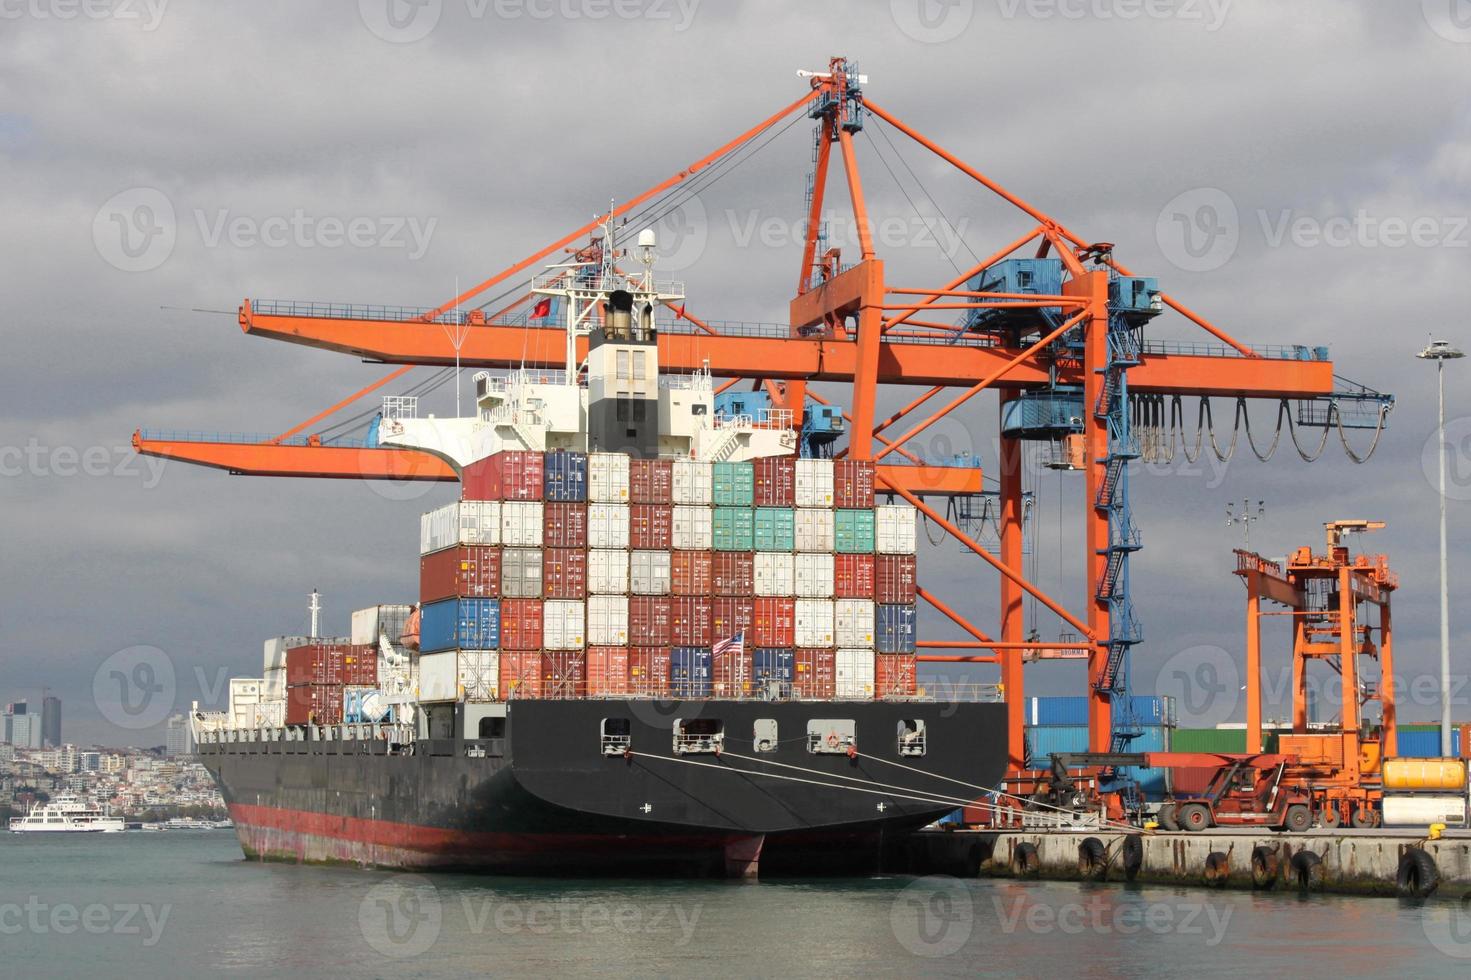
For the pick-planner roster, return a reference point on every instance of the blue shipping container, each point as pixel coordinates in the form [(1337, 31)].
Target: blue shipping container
[(564, 476), (1074, 710), (1043, 740), (465, 624), (772, 663), (894, 628), (689, 672), (1423, 745)]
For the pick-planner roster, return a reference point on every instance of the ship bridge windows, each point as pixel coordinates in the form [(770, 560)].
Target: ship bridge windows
[(832, 736), (617, 736), (911, 737), (698, 735), (765, 735)]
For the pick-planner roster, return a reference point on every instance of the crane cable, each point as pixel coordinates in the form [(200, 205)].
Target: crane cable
[(1157, 448)]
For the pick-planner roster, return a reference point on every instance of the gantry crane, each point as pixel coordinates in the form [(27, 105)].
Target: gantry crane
[(1051, 321)]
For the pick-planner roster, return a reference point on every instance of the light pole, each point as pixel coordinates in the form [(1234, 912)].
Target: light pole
[(1439, 351), (1246, 518)]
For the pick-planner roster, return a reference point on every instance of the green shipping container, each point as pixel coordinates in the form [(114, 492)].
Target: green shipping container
[(734, 484), (853, 532), (733, 528), (1208, 740), (776, 529)]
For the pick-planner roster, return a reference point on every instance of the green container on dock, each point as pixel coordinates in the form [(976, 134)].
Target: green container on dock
[(733, 528), (853, 532), (775, 529), (1208, 740), (734, 484)]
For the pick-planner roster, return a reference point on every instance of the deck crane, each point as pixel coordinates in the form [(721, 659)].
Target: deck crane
[(1052, 321)]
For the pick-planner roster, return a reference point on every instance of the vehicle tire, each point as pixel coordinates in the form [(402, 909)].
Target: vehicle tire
[(1133, 856), (1217, 869), (1025, 862), (1307, 871), (1092, 860), (1362, 817), (1417, 876), (1166, 817), (1265, 867), (1299, 818), (1194, 817), (1329, 817)]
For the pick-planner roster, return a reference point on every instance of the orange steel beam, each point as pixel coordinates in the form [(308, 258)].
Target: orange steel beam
[(1094, 286), (1191, 315), (1253, 662), (814, 213), (999, 645), (686, 315), (855, 194), (952, 615), (1013, 623), (973, 271), (346, 401), (935, 658), (878, 429), (1069, 260)]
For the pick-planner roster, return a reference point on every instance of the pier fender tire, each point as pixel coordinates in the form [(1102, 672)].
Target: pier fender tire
[(1194, 817), (1166, 817), (1133, 856), (1298, 818), (1092, 859), (1362, 817), (1265, 867), (1329, 817), (1417, 876), (1025, 861), (1307, 871), (1217, 869)]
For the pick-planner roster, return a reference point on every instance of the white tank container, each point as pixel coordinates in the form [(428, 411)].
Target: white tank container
[(607, 525), (814, 575), (854, 673), (774, 574), (521, 523), (439, 676), (814, 529), (607, 478), (564, 625), (814, 623), (649, 572), (894, 529), (479, 674), (465, 522), (692, 528), (692, 482), (1422, 810), (607, 573), (853, 622), (607, 620), (814, 483)]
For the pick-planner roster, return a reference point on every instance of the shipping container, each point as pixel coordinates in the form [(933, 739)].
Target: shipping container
[(894, 675), (607, 620), (521, 573), (314, 704), (732, 573), (607, 669), (466, 522), (813, 622), (1043, 740), (564, 674), (273, 684), (521, 627), (1073, 710), (730, 672), (520, 674), (853, 577), (564, 625), (470, 571), (773, 622), (608, 479), (733, 485), (649, 621), (649, 572), (275, 650), (774, 574), (730, 615), (651, 526), (648, 670), (692, 528), (1209, 740), (814, 578), (564, 476), (894, 578), (472, 624), (814, 673), (332, 663), (692, 573), (814, 483), (814, 529), (775, 529), (893, 628), (607, 525), (689, 671), (1419, 744), (564, 573), (512, 474), (521, 523), (368, 624), (894, 529), (775, 481), (853, 531), (607, 572), (564, 525), (691, 621), (853, 674), (651, 481), (479, 674), (692, 482), (733, 529), (772, 664), (853, 483), (853, 622)]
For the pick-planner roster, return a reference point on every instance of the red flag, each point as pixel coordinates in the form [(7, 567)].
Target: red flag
[(542, 309)]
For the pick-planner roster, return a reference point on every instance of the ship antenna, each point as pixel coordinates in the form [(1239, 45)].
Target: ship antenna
[(316, 610)]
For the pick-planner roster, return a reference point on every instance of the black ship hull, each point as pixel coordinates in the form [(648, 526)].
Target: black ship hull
[(546, 798)]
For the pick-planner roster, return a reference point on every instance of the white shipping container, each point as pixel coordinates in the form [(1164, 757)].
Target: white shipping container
[(607, 620), (814, 622), (893, 529), (854, 674), (273, 686), (564, 625), (607, 572), (814, 576), (270, 714), (521, 523), (607, 478), (814, 528), (439, 676), (607, 525), (692, 528), (245, 691), (773, 573), (853, 622), (693, 482), (368, 623), (479, 674), (814, 483), (465, 522), (275, 651), (649, 573)]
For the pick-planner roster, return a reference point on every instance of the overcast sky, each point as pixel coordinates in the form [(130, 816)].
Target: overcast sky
[(1297, 172)]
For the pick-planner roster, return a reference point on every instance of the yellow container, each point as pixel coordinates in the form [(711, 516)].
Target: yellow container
[(1428, 774)]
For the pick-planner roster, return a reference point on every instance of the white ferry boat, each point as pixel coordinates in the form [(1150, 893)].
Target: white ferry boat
[(66, 814)]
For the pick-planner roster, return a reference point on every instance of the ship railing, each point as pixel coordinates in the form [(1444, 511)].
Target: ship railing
[(400, 407), (698, 381)]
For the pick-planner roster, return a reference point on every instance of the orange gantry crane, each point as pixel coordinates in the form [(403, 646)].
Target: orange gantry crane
[(1072, 349)]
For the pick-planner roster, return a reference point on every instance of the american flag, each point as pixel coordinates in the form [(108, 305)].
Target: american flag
[(735, 644)]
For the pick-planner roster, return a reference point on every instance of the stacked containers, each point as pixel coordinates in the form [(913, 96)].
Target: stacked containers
[(317, 674), (895, 613)]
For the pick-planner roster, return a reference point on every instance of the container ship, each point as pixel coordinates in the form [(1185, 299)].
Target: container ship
[(653, 636)]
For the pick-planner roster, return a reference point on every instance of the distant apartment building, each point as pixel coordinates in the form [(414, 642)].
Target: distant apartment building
[(180, 738), (23, 730), (51, 722)]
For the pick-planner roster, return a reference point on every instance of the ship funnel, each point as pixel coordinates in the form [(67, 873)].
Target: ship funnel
[(619, 325)]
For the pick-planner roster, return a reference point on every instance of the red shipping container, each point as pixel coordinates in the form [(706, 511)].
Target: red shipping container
[(853, 576), (773, 622), (521, 624), (894, 675), (564, 674), (731, 674), (730, 615), (650, 527), (815, 673), (650, 481), (1466, 741), (649, 621), (520, 674), (692, 572), (690, 621), (648, 670), (853, 483), (893, 578), (334, 663), (469, 571), (732, 573), (514, 474), (564, 525), (776, 481), (564, 573), (607, 671), (313, 704)]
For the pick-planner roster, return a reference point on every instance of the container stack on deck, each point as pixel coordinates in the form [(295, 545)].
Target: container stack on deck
[(571, 574)]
